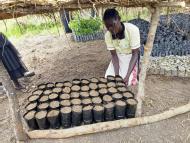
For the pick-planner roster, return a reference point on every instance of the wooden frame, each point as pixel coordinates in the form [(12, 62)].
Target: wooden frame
[(99, 127), (106, 126)]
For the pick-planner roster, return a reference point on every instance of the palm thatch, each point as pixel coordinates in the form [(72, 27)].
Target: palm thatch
[(17, 8)]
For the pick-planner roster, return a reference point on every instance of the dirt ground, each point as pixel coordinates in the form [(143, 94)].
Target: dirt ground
[(55, 58)]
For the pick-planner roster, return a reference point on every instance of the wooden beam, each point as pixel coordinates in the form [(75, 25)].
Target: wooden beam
[(13, 104), (10, 15), (172, 4), (106, 126), (147, 51)]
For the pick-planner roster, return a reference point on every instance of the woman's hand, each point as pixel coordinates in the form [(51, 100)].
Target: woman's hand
[(126, 81), (115, 61)]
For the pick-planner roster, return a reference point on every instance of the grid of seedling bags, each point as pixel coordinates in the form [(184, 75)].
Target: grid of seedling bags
[(80, 102)]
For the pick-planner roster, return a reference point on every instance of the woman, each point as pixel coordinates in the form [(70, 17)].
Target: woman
[(12, 61), (123, 42)]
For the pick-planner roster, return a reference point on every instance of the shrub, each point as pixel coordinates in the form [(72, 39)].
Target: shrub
[(83, 26)]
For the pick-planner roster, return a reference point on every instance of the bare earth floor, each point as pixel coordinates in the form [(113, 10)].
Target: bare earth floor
[(53, 58)]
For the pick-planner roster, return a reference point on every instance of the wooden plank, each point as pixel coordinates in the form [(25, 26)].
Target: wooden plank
[(106, 126)]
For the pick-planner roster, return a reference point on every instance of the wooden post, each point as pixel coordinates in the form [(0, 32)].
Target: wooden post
[(14, 105), (147, 51)]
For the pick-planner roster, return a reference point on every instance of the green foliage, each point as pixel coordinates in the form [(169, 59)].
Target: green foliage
[(87, 26), (132, 13), (29, 25)]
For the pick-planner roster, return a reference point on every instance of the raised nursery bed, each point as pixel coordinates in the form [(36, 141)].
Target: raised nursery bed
[(81, 102), (83, 38)]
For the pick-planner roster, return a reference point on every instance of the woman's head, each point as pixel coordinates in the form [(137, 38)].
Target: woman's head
[(111, 20)]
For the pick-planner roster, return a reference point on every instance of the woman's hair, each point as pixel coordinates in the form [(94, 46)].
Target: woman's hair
[(111, 14)]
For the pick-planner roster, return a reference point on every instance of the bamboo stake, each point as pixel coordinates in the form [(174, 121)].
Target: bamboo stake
[(23, 7), (106, 126), (147, 51)]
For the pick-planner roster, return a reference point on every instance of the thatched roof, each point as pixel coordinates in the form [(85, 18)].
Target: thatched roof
[(16, 8)]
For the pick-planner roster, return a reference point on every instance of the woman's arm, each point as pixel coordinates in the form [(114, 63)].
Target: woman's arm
[(115, 61), (132, 64)]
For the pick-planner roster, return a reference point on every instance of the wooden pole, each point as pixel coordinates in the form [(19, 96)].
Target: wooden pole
[(14, 105), (106, 126), (147, 51)]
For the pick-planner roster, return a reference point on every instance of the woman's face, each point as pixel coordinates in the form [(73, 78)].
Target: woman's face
[(112, 25)]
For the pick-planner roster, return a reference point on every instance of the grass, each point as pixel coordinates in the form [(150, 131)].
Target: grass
[(29, 26)]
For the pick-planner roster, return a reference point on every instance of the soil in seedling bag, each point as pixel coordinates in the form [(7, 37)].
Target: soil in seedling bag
[(86, 101), (64, 96), (50, 85), (42, 120), (53, 117), (117, 96), (112, 90), (66, 117), (93, 86), (118, 78), (33, 98), (43, 99), (75, 88), (111, 78), (47, 92), (103, 80), (54, 105), (96, 100), (128, 95), (98, 113), (65, 103), (107, 99), (76, 115), (66, 90), (57, 90), (42, 86), (111, 84), (122, 89), (76, 101), (102, 85), (109, 111), (84, 95), (120, 109), (131, 108), (43, 106), (94, 93), (120, 84), (30, 119), (94, 80), (67, 84), (59, 84), (85, 88), (103, 91), (75, 95), (85, 81), (31, 106), (76, 82), (87, 114), (37, 92), (53, 96)]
